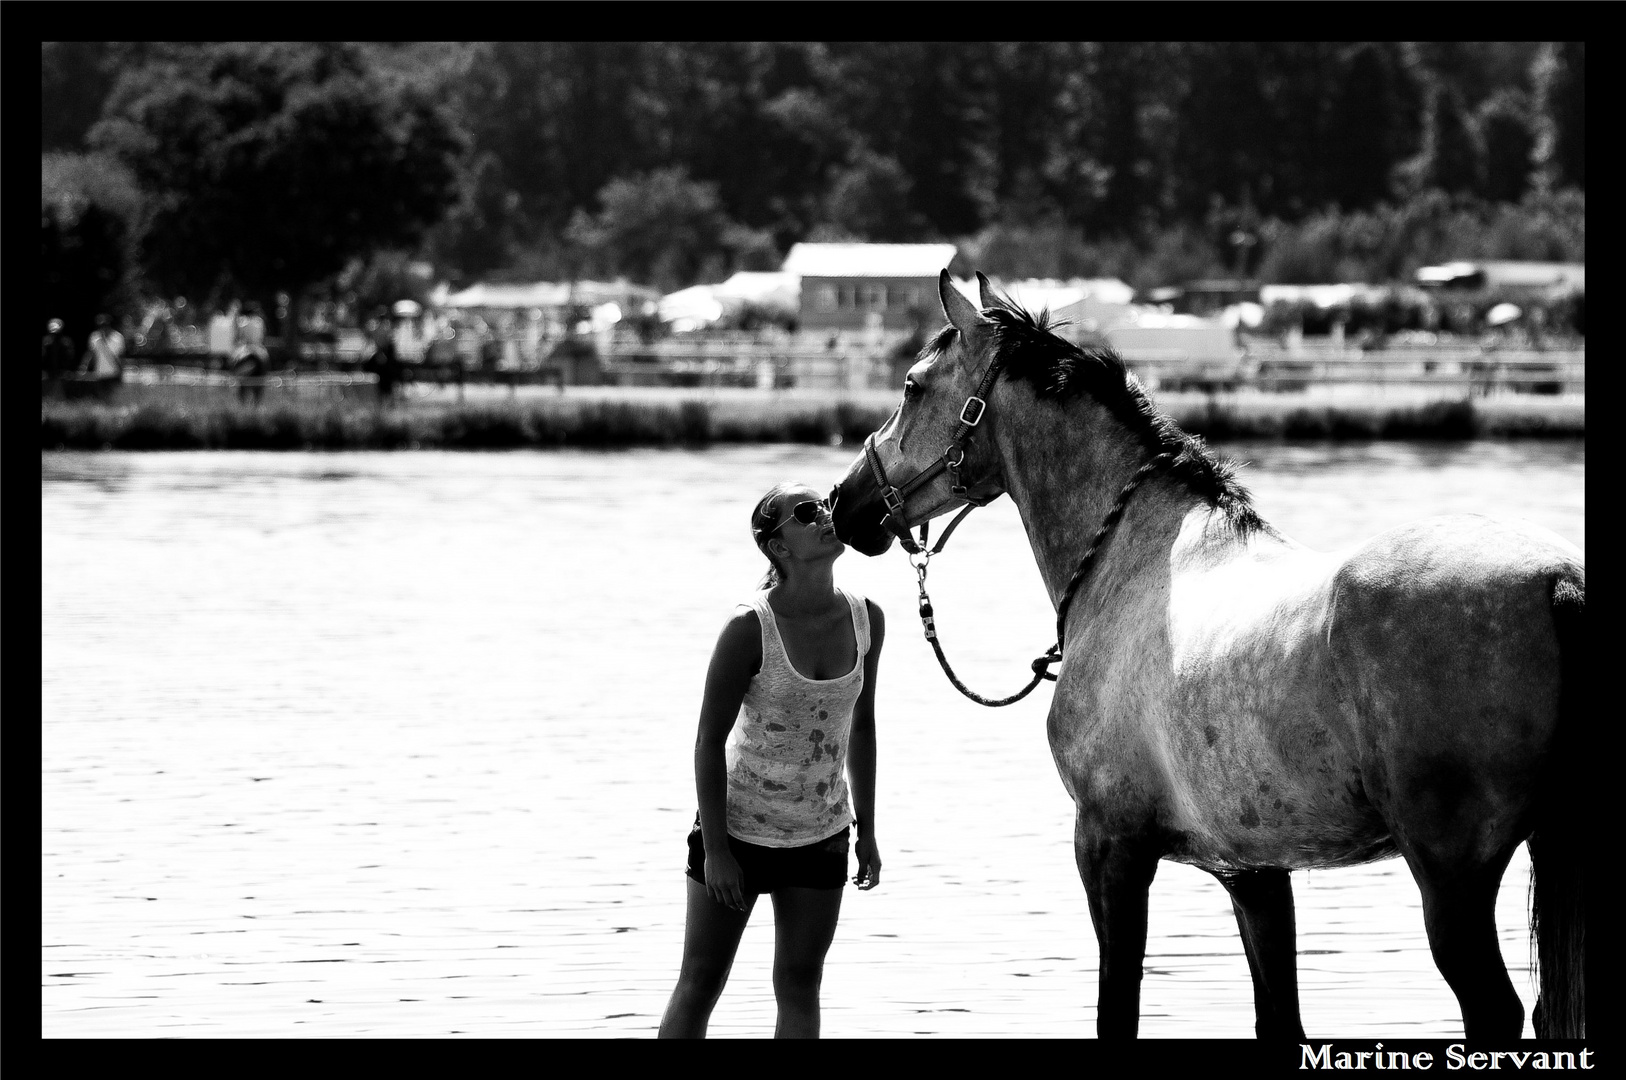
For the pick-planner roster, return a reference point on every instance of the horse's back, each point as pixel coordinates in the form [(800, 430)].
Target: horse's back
[(1462, 588), (1446, 661)]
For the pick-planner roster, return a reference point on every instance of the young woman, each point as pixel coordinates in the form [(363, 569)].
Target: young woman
[(789, 702)]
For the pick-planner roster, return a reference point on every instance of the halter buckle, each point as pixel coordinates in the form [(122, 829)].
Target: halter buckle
[(971, 415)]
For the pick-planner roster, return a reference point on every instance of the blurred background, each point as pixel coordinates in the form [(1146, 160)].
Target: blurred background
[(629, 213)]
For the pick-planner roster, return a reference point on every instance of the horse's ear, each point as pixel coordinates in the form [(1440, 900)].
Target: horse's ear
[(960, 312), (986, 291)]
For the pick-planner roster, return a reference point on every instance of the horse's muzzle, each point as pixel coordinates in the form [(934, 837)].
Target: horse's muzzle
[(857, 510)]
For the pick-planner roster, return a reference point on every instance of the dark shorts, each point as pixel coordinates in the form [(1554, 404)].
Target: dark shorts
[(820, 865)]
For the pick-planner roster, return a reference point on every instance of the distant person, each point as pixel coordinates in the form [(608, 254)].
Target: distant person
[(490, 352), (56, 357), (385, 361), (788, 719), (104, 357), (250, 360), (251, 330)]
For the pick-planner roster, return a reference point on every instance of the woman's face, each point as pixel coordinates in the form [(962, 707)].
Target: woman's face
[(806, 540)]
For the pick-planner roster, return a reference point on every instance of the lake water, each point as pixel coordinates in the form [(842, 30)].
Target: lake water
[(398, 745)]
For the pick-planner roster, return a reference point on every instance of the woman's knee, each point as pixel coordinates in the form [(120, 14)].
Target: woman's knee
[(703, 982), (797, 979)]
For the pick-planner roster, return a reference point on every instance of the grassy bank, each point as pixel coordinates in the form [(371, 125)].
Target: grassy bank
[(142, 419)]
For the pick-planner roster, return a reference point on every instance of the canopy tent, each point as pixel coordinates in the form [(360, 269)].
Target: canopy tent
[(691, 308), (1050, 294), (777, 291), (702, 305), (549, 294)]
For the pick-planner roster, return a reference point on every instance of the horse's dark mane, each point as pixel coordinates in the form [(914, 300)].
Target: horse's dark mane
[(1059, 371)]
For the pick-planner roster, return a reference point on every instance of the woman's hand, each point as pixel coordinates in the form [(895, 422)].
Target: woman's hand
[(869, 863), (725, 881)]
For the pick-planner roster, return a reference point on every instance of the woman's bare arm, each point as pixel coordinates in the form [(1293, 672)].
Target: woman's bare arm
[(861, 755), (735, 660)]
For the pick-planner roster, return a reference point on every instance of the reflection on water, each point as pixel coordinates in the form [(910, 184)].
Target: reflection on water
[(399, 744)]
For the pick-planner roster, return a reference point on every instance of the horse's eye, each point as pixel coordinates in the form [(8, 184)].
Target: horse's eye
[(910, 389)]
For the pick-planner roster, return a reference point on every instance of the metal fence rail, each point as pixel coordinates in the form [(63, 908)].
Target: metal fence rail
[(1474, 369), (152, 375), (1460, 369)]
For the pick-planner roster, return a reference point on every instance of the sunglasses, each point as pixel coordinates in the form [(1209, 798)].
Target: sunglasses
[(803, 513)]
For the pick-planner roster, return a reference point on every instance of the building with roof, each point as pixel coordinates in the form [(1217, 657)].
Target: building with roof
[(865, 286)]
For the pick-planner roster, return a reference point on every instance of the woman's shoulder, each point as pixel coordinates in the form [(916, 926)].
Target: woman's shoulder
[(877, 619), (858, 599), (745, 621), (741, 638)]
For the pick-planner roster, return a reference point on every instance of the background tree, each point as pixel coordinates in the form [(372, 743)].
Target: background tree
[(1560, 87), (90, 213), (1131, 158), (75, 77), (1372, 123), (1451, 158), (270, 166), (667, 230), (1506, 132)]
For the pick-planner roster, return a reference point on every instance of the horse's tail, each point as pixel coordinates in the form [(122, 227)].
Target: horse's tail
[(1561, 854)]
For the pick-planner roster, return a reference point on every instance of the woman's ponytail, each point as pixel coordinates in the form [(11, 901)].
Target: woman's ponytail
[(762, 523)]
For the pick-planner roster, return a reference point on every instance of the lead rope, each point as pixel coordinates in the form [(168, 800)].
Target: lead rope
[(1052, 655)]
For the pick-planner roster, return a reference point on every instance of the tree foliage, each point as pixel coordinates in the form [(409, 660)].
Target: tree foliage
[(664, 229), (550, 158), (270, 166), (90, 215)]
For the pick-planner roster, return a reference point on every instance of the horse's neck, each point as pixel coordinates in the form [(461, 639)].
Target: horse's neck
[(1065, 469)]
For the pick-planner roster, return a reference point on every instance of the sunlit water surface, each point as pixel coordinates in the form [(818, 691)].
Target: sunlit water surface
[(398, 745)]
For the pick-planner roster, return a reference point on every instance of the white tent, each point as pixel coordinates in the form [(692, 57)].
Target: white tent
[(1036, 294), (702, 305), (691, 308), (776, 291), (541, 294), (549, 294)]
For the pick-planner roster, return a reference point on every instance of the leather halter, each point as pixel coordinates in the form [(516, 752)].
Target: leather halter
[(950, 461), (976, 406)]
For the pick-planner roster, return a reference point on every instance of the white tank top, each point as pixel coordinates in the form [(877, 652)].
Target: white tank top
[(787, 752)]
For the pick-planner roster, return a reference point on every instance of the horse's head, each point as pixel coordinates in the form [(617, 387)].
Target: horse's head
[(936, 452)]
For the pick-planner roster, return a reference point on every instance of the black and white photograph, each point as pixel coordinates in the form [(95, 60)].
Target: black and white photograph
[(858, 540)]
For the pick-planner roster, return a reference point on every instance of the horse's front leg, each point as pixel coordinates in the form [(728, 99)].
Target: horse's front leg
[(1117, 872), (1263, 901)]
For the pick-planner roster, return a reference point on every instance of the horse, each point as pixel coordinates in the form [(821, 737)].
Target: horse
[(1231, 699)]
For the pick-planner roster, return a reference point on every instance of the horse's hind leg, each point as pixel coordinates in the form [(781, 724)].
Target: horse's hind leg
[(1117, 874), (1263, 901), (1459, 911)]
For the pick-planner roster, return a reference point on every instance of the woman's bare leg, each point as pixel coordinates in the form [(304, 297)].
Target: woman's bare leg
[(804, 926), (711, 936)]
